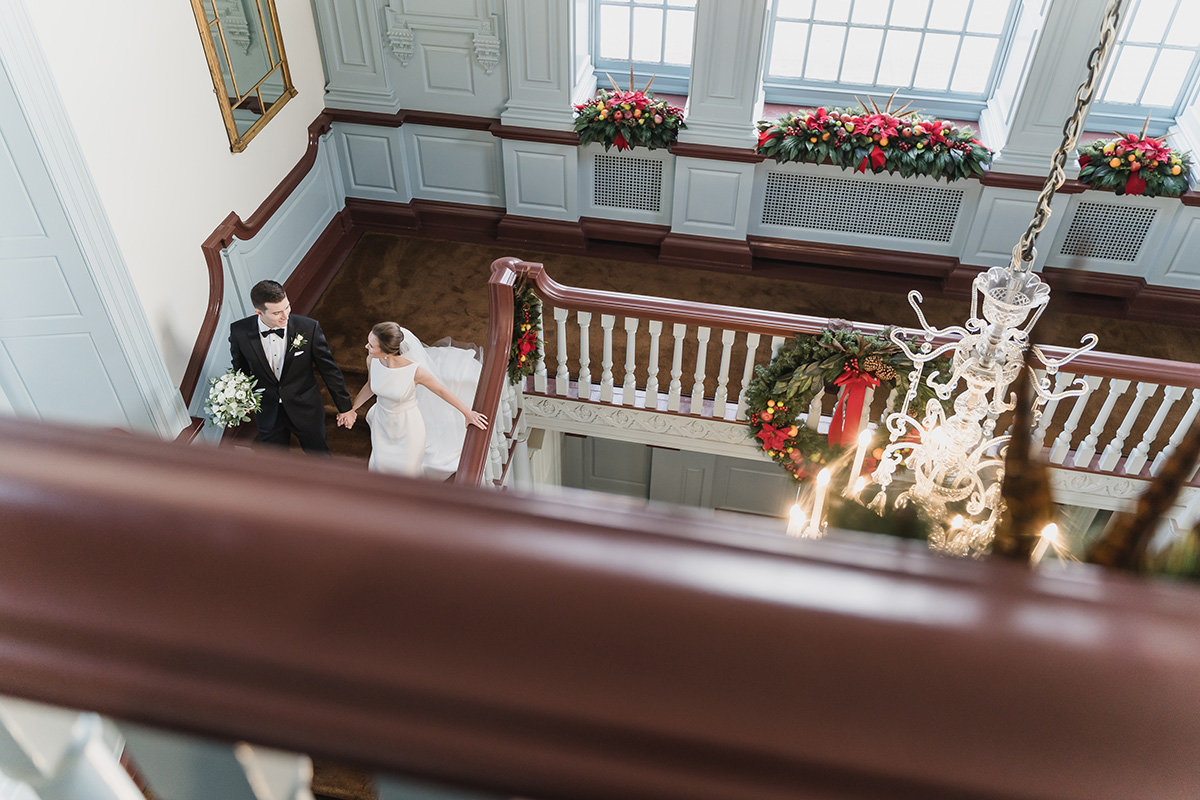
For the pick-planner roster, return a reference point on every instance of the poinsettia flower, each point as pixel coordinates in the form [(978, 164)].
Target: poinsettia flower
[(773, 438), (817, 119)]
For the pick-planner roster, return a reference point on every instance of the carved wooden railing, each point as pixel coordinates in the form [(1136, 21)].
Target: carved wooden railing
[(563, 648), (1110, 430)]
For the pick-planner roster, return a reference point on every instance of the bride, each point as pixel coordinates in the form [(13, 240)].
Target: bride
[(411, 432)]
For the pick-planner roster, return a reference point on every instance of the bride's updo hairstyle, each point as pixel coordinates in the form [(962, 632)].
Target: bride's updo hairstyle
[(389, 335)]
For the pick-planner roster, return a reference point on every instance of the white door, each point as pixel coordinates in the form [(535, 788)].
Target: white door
[(60, 359)]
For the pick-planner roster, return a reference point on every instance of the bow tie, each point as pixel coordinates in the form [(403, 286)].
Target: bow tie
[(277, 331)]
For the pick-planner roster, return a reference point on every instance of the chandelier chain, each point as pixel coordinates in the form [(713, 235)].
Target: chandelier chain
[(1023, 253)]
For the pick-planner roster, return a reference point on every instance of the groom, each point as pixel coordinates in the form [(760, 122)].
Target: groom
[(283, 352)]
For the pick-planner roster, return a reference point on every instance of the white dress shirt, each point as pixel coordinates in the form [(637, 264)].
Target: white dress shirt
[(274, 347)]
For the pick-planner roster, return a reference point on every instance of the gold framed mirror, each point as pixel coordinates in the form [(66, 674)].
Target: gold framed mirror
[(249, 69)]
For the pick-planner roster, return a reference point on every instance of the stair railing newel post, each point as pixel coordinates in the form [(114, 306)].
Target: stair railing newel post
[(494, 374)]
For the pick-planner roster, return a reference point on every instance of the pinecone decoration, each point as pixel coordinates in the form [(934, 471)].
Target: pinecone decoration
[(875, 366)]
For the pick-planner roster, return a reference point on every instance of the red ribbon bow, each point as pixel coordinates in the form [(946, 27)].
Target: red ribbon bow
[(620, 142), (877, 159), (1135, 184), (843, 428)]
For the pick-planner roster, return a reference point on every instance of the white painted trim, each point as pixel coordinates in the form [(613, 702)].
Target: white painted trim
[(626, 424), (47, 119)]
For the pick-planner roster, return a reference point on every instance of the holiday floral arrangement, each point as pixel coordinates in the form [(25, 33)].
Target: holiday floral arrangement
[(527, 323), (232, 398), (628, 119), (780, 393), (1135, 164), (881, 141)]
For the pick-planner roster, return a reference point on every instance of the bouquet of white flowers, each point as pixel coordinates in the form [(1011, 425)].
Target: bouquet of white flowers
[(232, 399)]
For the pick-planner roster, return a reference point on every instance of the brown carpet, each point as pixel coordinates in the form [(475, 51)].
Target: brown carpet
[(438, 288)]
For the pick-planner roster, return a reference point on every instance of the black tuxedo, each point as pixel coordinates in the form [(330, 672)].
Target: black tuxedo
[(292, 403)]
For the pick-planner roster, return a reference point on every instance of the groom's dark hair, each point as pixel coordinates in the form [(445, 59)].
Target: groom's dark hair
[(267, 292)]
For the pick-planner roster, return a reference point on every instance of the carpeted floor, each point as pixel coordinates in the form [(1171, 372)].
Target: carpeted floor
[(438, 288)]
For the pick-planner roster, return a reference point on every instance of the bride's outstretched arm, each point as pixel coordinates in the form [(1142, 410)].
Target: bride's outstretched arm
[(364, 394), (426, 379)]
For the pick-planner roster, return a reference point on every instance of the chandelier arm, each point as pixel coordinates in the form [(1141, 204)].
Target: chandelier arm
[(1087, 343), (1023, 253)]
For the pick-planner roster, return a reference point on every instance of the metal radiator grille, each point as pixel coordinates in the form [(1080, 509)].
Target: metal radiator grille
[(846, 206), (1107, 230), (628, 182)]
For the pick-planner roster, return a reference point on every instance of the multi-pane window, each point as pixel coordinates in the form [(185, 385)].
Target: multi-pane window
[(943, 54), (655, 35), (1153, 65)]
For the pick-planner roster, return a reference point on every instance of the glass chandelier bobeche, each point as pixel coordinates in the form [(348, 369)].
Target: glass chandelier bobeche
[(956, 462)]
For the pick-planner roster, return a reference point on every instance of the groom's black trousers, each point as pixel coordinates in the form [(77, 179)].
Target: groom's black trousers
[(312, 441)]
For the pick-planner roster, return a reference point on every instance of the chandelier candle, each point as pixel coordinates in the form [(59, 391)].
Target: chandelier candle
[(853, 484), (814, 524)]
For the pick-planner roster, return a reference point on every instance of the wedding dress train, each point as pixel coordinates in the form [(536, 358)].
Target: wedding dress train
[(413, 431)]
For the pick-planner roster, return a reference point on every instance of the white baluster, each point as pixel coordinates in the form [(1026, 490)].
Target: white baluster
[(813, 419), (721, 398), (629, 388), (776, 345), (1061, 381), (1116, 448), (562, 378), (651, 399), (183, 767), (1137, 459), (865, 416), (1180, 431), (496, 453), (702, 335), (606, 377), (584, 381), (539, 368), (678, 331), (1062, 444), (893, 401), (1087, 449), (60, 754), (752, 340)]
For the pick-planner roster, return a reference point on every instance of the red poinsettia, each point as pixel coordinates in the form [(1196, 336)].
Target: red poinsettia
[(773, 438)]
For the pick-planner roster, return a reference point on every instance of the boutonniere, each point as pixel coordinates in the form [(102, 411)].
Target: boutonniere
[(298, 342)]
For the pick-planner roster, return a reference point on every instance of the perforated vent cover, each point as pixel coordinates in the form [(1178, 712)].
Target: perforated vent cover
[(878, 209), (1107, 230), (628, 182)]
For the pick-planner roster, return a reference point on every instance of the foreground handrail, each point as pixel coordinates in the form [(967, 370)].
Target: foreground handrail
[(568, 649)]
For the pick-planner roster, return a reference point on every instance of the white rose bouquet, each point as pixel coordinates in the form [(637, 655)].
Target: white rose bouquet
[(232, 398)]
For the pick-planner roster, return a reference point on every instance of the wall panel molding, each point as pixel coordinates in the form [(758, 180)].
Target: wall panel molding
[(160, 406)]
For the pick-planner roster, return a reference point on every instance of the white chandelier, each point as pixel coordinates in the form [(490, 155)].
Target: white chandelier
[(956, 462)]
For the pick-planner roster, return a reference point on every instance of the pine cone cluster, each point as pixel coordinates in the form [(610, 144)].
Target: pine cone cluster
[(875, 366)]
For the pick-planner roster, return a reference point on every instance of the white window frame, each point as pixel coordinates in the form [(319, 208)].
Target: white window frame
[(668, 78), (807, 92), (1129, 117)]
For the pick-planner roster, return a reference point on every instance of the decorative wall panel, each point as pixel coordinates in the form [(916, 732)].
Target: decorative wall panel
[(458, 166)]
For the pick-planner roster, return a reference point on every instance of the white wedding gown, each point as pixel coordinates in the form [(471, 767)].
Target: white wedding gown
[(413, 431)]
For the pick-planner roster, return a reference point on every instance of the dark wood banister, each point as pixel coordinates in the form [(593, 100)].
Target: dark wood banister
[(570, 648)]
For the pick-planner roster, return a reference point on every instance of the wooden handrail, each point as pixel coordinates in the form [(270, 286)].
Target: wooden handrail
[(572, 648), (772, 323), (505, 272)]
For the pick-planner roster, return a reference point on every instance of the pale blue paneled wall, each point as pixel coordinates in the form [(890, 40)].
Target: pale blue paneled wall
[(60, 357)]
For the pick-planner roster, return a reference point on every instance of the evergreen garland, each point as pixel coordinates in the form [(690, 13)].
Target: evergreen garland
[(527, 323)]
